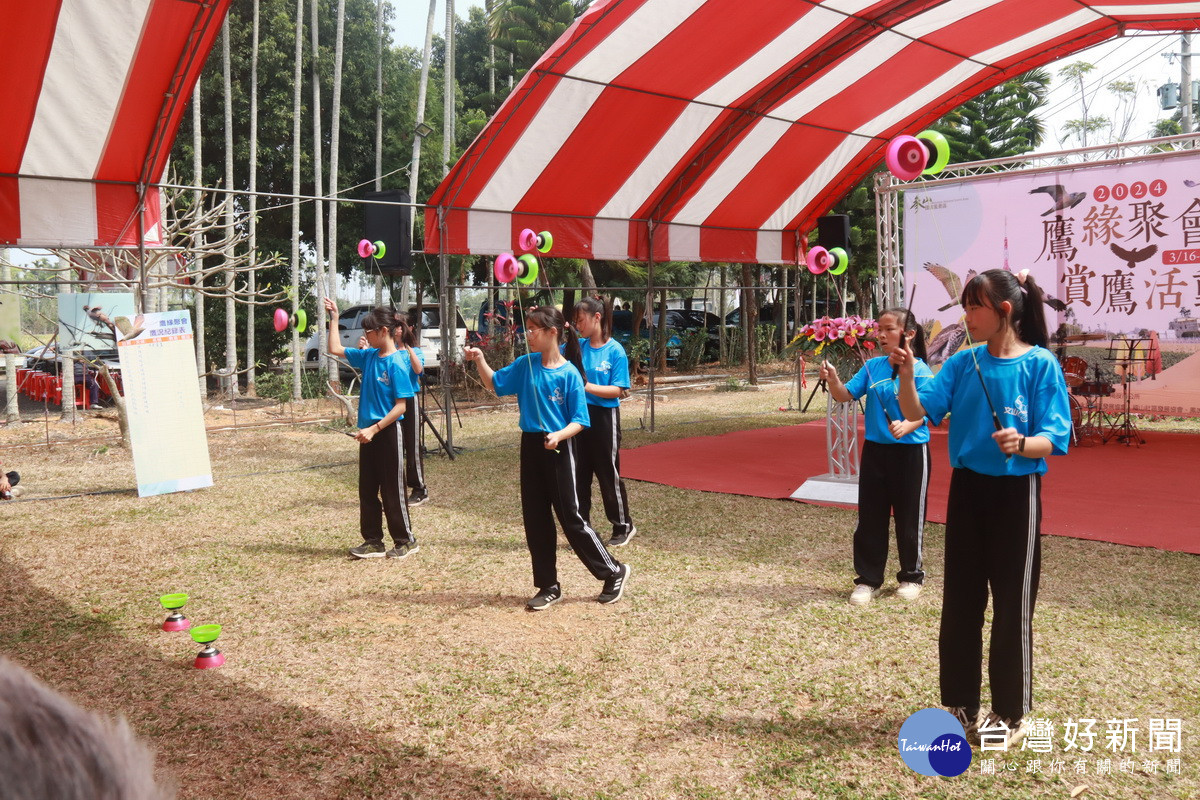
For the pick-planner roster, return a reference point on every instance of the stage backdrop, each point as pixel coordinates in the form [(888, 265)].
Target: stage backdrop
[(1117, 248)]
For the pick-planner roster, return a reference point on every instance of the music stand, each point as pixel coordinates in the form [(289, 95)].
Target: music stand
[(1129, 355)]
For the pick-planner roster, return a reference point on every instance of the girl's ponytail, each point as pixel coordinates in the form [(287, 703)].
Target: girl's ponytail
[(1031, 324), (573, 352), (908, 322), (996, 286)]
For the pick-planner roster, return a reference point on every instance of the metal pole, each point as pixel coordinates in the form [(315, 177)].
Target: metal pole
[(1185, 82), (650, 309)]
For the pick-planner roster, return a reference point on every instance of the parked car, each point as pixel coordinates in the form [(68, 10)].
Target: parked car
[(622, 331), (350, 330)]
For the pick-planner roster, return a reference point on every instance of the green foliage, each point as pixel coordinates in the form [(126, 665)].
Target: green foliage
[(1000, 123), (731, 384), (278, 385), (401, 68), (692, 349), (527, 28)]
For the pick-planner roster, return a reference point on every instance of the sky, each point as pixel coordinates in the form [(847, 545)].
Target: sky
[(1135, 58)]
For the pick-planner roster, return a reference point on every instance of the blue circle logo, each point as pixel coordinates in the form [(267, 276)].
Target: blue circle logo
[(933, 742)]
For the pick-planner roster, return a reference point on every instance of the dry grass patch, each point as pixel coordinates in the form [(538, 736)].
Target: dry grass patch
[(733, 668)]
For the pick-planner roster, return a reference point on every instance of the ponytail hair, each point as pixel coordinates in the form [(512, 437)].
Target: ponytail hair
[(996, 286), (405, 334), (551, 317), (380, 318), (908, 322), (594, 305)]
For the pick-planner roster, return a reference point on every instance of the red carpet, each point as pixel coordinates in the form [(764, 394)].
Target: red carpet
[(1109, 493)]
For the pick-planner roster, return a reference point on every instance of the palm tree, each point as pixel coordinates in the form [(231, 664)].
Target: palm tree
[(230, 303), (335, 131), (999, 123), (318, 188), (527, 28), (253, 201), (297, 79), (197, 199)]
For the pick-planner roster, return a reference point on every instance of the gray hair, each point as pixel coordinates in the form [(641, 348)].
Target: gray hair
[(52, 748)]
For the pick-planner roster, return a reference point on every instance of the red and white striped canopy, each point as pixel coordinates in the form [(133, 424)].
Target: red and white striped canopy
[(727, 127), (92, 92)]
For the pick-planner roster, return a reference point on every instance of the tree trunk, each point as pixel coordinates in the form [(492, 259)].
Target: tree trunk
[(660, 333), (749, 321), (230, 305), (722, 344), (12, 411), (297, 79), (253, 204), (586, 276), (379, 126), (118, 403), (197, 241), (415, 172), (335, 132), (323, 359)]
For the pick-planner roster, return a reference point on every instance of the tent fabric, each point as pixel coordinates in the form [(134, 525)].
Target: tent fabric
[(719, 130), (93, 93)]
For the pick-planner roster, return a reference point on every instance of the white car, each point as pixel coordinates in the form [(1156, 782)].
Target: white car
[(350, 330)]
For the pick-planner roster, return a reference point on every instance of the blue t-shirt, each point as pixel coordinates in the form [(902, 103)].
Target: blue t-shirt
[(875, 381), (1029, 393), (383, 383), (413, 379), (605, 365), (549, 399)]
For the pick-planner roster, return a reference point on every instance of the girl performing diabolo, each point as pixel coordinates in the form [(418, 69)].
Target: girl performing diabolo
[(894, 471), (553, 410), (1009, 410), (606, 375), (381, 489)]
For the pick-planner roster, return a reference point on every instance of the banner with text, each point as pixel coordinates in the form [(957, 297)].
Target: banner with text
[(1116, 248), (162, 398)]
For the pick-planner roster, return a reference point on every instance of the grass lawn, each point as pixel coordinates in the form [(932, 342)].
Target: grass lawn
[(734, 667)]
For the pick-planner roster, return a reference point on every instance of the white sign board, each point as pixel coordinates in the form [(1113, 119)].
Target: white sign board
[(162, 398)]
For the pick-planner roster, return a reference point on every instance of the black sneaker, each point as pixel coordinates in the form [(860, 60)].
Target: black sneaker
[(614, 587), (368, 550), (544, 599), (403, 550), (622, 539), (417, 498)]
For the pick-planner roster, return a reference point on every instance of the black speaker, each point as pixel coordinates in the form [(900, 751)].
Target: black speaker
[(389, 224), (834, 231)]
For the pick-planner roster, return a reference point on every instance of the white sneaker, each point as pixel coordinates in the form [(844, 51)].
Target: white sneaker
[(862, 595), (908, 591)]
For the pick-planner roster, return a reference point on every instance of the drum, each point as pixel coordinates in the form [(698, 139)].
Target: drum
[(1074, 370), (1094, 389)]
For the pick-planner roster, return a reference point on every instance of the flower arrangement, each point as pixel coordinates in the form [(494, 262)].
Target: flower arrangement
[(845, 342)]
